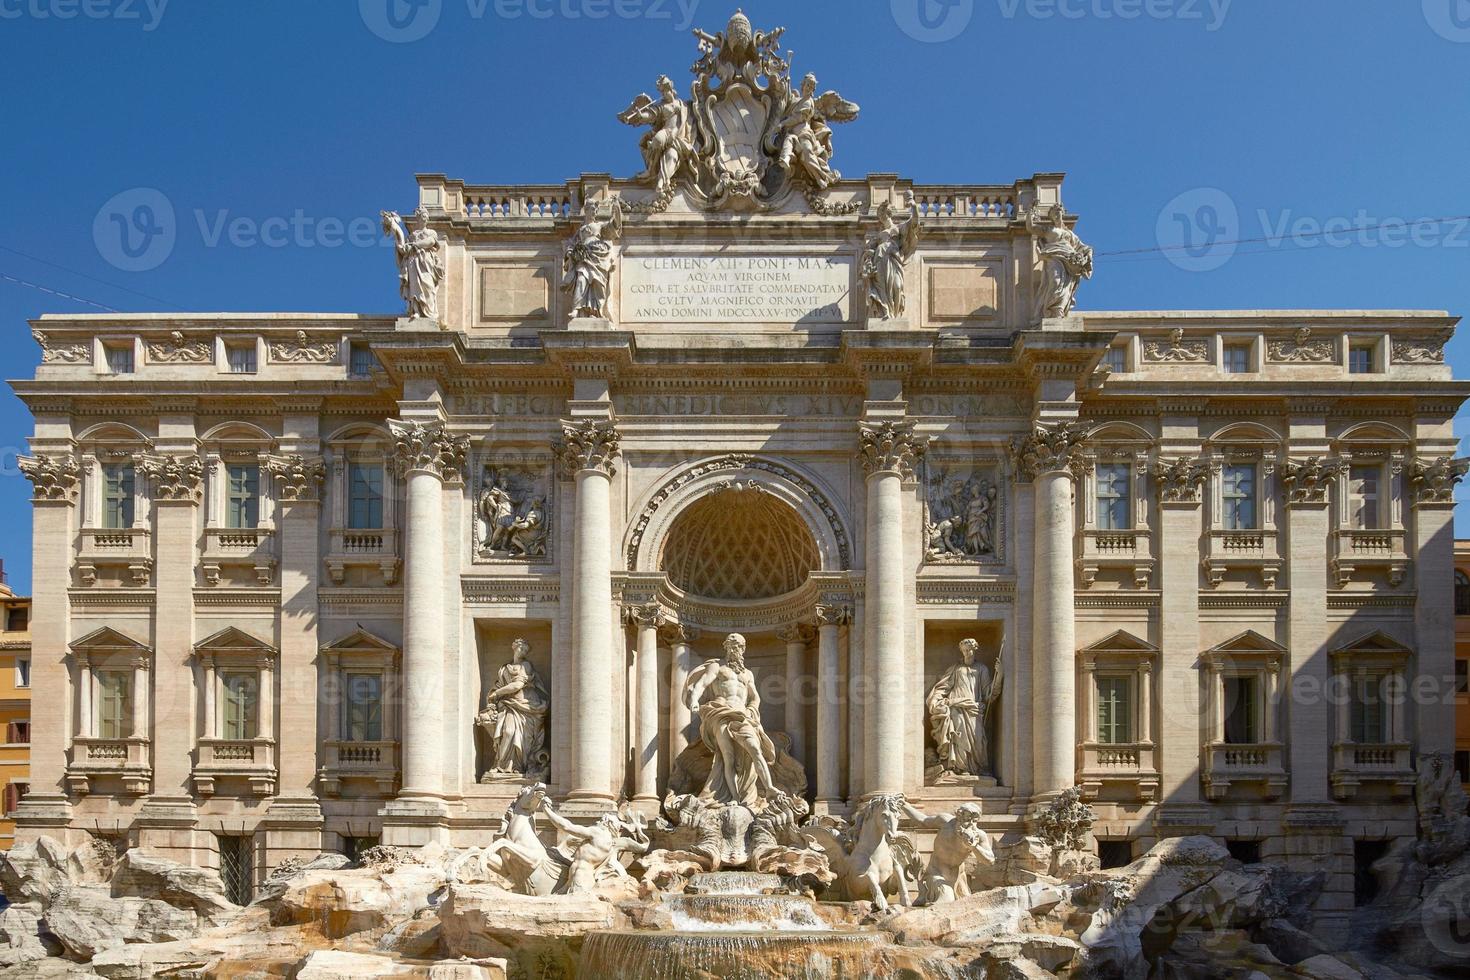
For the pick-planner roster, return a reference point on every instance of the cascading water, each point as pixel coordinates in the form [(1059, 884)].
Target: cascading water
[(734, 925)]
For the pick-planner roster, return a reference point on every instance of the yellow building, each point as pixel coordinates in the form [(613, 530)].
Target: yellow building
[(15, 704), (1462, 660)]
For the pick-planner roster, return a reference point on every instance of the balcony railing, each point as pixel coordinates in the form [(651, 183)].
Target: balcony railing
[(1130, 766), (1252, 550), (124, 758), (1259, 763), (370, 548), (126, 547), (1381, 549), (252, 759), (1356, 763), (1126, 549), (250, 547), (374, 761)]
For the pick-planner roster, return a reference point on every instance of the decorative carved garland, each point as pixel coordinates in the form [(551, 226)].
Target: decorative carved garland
[(741, 461)]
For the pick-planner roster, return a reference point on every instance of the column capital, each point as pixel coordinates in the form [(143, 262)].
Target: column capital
[(428, 446), (1307, 481), (797, 633), (646, 615), (300, 477), (1049, 449), (588, 444), (833, 615), (55, 477), (1432, 481), (1179, 479), (175, 477), (679, 633), (890, 447)]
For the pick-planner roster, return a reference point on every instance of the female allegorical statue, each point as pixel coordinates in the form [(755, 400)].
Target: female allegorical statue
[(884, 258), (420, 263), (959, 713), (514, 718)]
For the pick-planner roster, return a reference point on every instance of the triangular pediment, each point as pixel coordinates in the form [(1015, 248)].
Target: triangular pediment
[(360, 640), (1376, 642), (1246, 643), (108, 639), (235, 640), (1121, 641)]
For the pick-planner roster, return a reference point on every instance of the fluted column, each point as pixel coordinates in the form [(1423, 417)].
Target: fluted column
[(888, 451), (424, 454), (1047, 457), (830, 620), (1430, 484), (647, 618), (681, 662), (796, 637), (587, 451)]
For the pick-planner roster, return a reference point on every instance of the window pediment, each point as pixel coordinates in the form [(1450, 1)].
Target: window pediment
[(1249, 644), (233, 642), (109, 641), (1375, 649)]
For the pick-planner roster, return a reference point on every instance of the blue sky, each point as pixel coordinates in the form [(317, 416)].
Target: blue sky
[(303, 117)]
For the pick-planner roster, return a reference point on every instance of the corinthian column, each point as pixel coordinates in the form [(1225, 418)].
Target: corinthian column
[(1046, 458), (587, 450), (830, 620), (681, 662), (888, 451), (425, 454)]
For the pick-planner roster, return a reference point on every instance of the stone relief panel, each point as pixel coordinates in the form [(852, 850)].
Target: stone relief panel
[(964, 505), (512, 513), (1300, 349)]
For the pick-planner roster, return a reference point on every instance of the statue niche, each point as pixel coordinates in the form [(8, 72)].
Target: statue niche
[(960, 706), (513, 721)]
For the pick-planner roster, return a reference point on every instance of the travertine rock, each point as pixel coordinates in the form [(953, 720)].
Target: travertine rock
[(87, 920), (332, 964), (21, 939), (975, 918), (1288, 943), (346, 902), (144, 875), (33, 871), (483, 920)]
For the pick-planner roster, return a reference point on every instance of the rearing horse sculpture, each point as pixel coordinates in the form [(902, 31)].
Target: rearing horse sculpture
[(518, 855), (873, 858)]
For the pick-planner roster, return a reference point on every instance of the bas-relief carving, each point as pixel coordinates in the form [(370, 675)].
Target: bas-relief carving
[(960, 705), (884, 259), (746, 136), (963, 510), (1065, 261), (513, 720), (54, 353), (302, 350), (420, 263), (588, 261), (177, 349), (511, 514), (1176, 350), (1301, 349), (1419, 350)]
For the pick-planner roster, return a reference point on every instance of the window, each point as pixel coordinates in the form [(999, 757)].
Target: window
[(1114, 711), (362, 362), (120, 359), (1462, 593), (1366, 853), (235, 868), (1368, 717), (1360, 359), (1237, 358), (14, 793), (1363, 496), (18, 733), (364, 495), (1242, 721), (352, 847), (114, 703), (1244, 851), (242, 496), (1112, 497), (1116, 359), (1462, 676), (241, 693), (22, 671), (117, 495), (240, 358), (1240, 496), (363, 717), (1114, 853), (17, 618), (1462, 764)]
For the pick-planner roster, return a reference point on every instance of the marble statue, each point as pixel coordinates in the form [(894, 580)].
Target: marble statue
[(804, 138), (510, 518), (668, 146), (871, 859), (961, 520), (517, 853), (514, 718), (959, 706), (420, 263), (596, 854), (884, 259), (587, 262), (1065, 262), (958, 841), (723, 693)]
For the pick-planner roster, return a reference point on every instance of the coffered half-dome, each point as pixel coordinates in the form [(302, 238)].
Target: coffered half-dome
[(739, 543)]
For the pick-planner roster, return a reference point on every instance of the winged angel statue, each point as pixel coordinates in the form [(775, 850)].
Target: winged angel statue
[(746, 136)]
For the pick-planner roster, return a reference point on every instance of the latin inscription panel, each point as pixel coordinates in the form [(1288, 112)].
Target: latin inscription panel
[(736, 289)]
